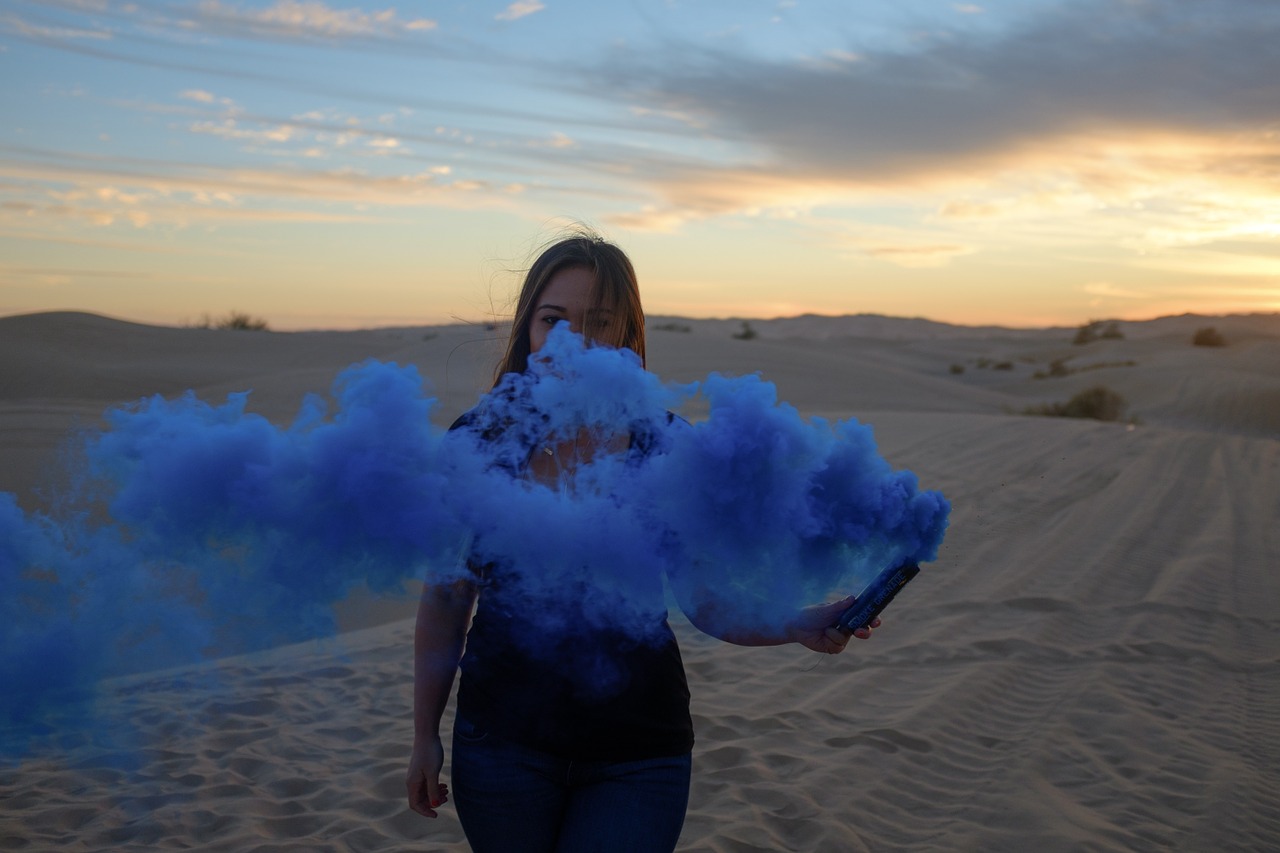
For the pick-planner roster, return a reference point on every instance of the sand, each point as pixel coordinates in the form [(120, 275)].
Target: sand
[(1093, 663)]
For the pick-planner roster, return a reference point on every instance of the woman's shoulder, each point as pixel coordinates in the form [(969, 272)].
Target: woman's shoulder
[(466, 420)]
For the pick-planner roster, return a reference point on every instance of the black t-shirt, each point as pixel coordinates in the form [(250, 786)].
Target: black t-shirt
[(606, 695)]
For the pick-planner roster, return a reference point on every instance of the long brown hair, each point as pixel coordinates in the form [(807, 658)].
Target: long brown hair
[(616, 291)]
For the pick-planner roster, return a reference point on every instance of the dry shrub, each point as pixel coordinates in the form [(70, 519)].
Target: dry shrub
[(1096, 330), (237, 320), (1208, 337), (1099, 403), (1057, 368), (242, 322)]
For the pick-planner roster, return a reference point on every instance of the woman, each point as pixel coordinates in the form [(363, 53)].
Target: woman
[(540, 764)]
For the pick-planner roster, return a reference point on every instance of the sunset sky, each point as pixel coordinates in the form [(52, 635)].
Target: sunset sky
[(336, 165)]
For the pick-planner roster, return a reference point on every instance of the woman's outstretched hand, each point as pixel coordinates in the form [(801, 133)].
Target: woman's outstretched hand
[(815, 627), (426, 792)]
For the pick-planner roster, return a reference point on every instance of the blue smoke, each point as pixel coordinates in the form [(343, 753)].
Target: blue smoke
[(200, 530)]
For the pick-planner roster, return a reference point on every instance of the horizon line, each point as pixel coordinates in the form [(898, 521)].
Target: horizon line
[(649, 318)]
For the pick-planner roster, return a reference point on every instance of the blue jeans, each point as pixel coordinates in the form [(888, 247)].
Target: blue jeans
[(511, 798)]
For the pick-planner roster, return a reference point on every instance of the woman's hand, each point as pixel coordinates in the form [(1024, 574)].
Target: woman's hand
[(426, 792), (814, 627)]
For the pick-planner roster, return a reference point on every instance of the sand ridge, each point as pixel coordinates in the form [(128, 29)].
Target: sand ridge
[(1093, 663)]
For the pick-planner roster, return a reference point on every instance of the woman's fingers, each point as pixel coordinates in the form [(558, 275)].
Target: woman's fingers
[(417, 790), (836, 640), (865, 633), (420, 799)]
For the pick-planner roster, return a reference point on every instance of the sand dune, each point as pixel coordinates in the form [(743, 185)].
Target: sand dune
[(1093, 663)]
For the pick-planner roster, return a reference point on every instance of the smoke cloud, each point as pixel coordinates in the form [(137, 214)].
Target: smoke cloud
[(200, 530)]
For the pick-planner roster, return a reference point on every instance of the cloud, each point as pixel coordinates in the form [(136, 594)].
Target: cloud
[(1128, 111), (1166, 66), (59, 275), (342, 130), (909, 247), (916, 255), (214, 61), (228, 129), (1215, 265), (1106, 289), (693, 190), (145, 192), (41, 32), (1161, 87), (519, 9), (304, 19), (556, 140), (285, 20), (201, 96), (500, 160), (664, 220), (965, 209)]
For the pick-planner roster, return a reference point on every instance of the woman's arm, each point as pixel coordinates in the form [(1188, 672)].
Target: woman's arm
[(444, 614), (812, 627)]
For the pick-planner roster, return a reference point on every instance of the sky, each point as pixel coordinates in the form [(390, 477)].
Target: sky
[(326, 164)]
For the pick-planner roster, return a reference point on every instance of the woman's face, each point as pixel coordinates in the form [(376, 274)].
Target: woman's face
[(566, 298)]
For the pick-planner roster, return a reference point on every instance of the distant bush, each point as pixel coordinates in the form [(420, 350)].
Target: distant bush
[(672, 327), (1099, 403), (237, 320), (1096, 330), (747, 332), (243, 322), (957, 368), (1208, 337), (985, 364), (1058, 368)]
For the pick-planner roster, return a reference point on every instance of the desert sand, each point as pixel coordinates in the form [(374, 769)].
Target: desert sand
[(1093, 662)]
